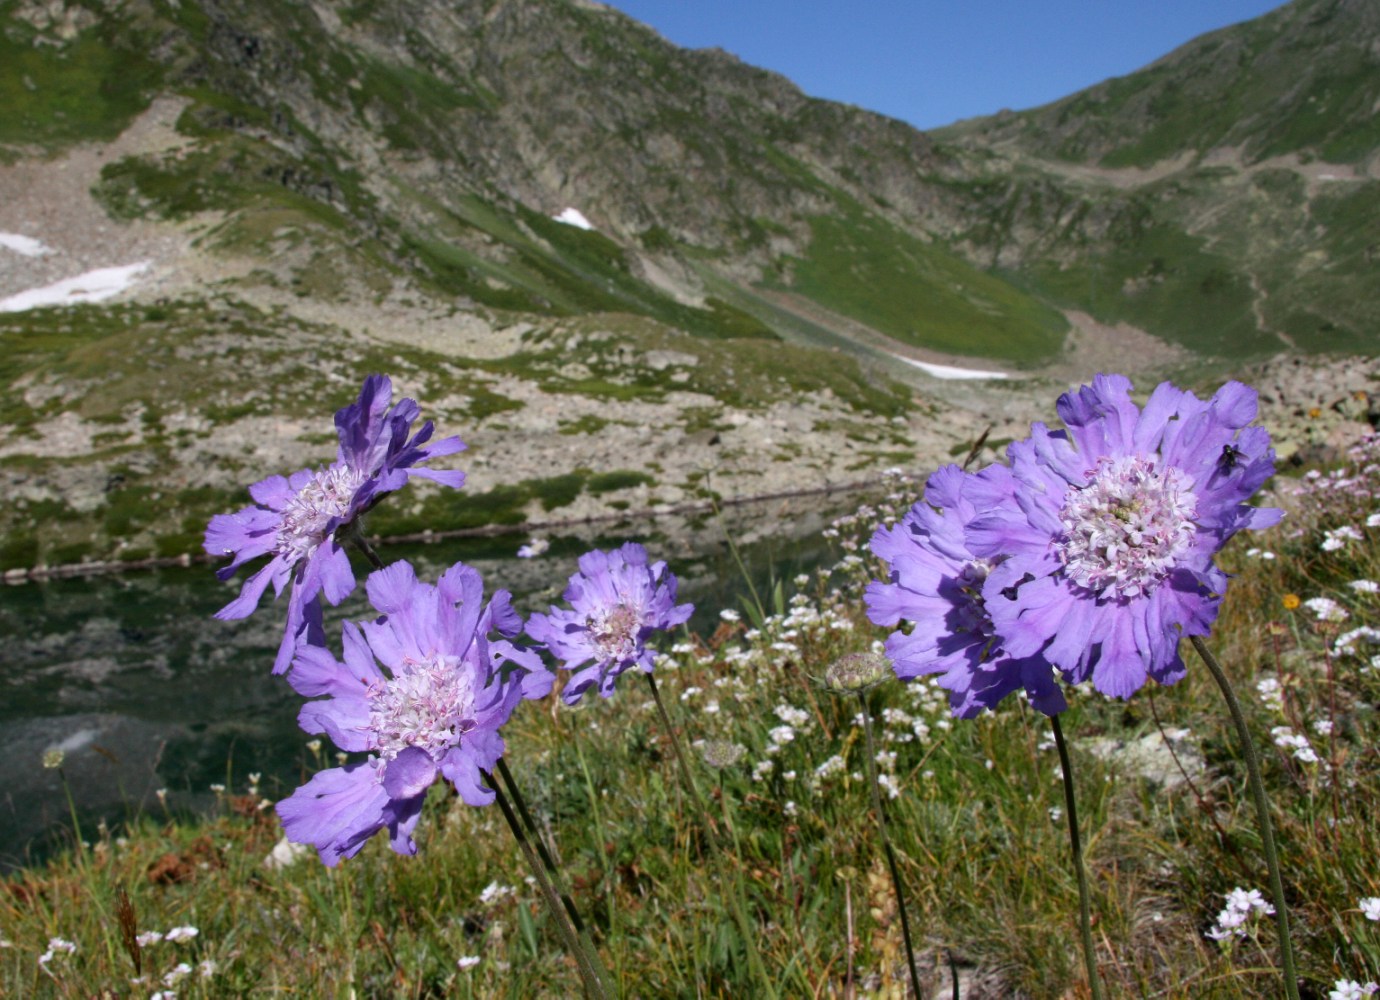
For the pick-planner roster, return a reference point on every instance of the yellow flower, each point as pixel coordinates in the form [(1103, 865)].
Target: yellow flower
[(1291, 601), (1315, 413)]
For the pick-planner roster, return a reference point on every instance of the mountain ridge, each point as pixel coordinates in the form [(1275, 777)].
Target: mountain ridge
[(374, 183)]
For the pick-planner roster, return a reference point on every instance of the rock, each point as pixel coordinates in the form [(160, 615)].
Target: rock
[(1152, 757), (285, 854)]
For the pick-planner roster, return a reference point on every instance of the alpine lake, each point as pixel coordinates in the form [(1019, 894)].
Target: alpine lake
[(152, 701)]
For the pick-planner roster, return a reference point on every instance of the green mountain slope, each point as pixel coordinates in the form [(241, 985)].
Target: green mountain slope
[(1302, 79)]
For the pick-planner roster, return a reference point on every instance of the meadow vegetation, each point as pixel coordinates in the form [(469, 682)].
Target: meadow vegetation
[(973, 809)]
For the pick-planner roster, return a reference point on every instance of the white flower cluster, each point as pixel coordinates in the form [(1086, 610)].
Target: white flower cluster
[(902, 727), (780, 736), (1325, 609), (832, 766), (890, 784), (495, 892), (56, 946), (1337, 538), (1347, 643), (1297, 742), (1271, 694), (1242, 904), (1350, 989)]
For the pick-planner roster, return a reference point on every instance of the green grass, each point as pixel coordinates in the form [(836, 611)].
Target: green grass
[(82, 90), (984, 863), (919, 293), (1157, 277)]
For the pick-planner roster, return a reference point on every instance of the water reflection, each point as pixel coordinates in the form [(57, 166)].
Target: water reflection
[(143, 690)]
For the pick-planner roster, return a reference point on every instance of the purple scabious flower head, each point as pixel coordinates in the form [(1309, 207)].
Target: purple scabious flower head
[(617, 601), (423, 690), (1109, 528), (936, 582), (294, 519)]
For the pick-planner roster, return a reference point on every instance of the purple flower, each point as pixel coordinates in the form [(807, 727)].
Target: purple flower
[(435, 711), (617, 602), (294, 520), (1108, 529), (936, 582)]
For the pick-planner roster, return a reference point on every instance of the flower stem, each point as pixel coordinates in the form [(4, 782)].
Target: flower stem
[(557, 879), (356, 536), (1262, 808), (886, 843), (1084, 908), (594, 986), (76, 825), (745, 927)]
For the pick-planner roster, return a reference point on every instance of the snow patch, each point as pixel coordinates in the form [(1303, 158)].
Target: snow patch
[(574, 217), (26, 245), (950, 372), (93, 286)]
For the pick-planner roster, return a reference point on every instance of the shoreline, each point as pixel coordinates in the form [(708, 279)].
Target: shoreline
[(109, 567)]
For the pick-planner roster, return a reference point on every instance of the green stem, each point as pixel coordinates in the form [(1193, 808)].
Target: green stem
[(594, 986), (1262, 809), (737, 557), (76, 825), (886, 843), (355, 535), (1084, 907), (557, 879), (745, 927)]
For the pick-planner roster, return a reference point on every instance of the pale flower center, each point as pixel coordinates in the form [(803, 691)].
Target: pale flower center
[(428, 704), (1128, 528), (613, 631), (308, 514)]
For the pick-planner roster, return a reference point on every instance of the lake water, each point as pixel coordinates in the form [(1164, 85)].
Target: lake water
[(143, 690)]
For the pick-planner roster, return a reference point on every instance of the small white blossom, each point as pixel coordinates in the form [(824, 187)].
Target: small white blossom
[(1370, 906), (834, 765), (1326, 609), (179, 934), (467, 961), (1350, 989), (1287, 738), (888, 781), (781, 735), (1271, 694), (1337, 538), (1365, 586), (494, 891)]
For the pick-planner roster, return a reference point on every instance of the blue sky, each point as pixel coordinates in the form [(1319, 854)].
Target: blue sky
[(932, 62)]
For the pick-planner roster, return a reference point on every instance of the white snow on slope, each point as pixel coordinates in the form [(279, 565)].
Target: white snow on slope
[(950, 372), (93, 286), (574, 217), (26, 245)]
